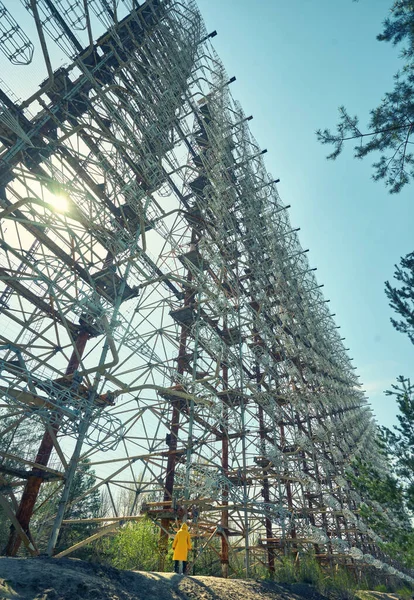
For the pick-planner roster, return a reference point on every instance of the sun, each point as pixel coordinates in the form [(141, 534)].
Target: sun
[(60, 203), (57, 200)]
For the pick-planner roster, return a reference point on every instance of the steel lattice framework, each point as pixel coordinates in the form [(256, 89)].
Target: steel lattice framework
[(158, 314)]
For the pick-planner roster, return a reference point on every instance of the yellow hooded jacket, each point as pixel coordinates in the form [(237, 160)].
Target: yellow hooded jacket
[(182, 543)]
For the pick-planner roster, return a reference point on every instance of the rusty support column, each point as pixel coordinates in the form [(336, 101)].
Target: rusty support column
[(169, 482), (318, 478), (266, 492), (174, 429), (32, 487), (289, 497), (262, 433)]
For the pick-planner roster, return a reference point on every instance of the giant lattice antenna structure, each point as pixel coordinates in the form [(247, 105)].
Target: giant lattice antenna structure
[(158, 314)]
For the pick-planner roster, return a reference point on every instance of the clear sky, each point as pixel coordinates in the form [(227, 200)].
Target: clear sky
[(295, 63)]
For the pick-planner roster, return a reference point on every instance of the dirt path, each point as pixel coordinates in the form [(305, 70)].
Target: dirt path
[(70, 579)]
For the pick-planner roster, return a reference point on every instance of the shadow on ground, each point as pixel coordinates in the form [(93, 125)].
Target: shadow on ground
[(71, 579)]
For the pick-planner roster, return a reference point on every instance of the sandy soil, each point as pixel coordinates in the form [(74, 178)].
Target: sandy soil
[(362, 595), (71, 579)]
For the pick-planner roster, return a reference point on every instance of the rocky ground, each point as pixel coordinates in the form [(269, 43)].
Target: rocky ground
[(71, 579)]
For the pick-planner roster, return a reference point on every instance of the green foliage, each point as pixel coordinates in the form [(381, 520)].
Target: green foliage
[(396, 493), (402, 549), (400, 441), (135, 546), (402, 298), (380, 588), (339, 585), (404, 593), (25, 435), (286, 571), (387, 491), (384, 489), (336, 583), (400, 27), (390, 127), (310, 571), (87, 508), (208, 561)]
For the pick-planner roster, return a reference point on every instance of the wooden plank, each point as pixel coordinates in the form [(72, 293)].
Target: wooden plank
[(95, 536), (103, 519), (10, 514), (33, 464), (57, 446)]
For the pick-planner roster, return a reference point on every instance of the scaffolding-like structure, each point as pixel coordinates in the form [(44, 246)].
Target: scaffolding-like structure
[(158, 314)]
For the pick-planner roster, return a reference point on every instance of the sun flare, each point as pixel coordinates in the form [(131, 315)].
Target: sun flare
[(60, 203)]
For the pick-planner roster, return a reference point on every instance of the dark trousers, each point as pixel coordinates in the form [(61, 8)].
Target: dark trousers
[(177, 566)]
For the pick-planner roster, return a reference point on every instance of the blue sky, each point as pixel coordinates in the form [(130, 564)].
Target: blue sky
[(295, 63)]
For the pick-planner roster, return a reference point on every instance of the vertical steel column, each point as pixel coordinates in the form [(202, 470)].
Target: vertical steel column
[(191, 412), (265, 480), (266, 489), (83, 429), (32, 487), (243, 427), (174, 429), (289, 494), (224, 556), (319, 495)]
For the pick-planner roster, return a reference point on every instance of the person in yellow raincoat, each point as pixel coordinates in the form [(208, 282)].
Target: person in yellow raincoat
[(181, 546)]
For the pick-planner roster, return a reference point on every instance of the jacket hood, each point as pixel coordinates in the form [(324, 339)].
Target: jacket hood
[(184, 527)]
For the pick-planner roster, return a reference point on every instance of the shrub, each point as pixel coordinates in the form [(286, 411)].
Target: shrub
[(285, 571), (309, 571), (135, 546), (405, 593), (380, 588), (339, 585)]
